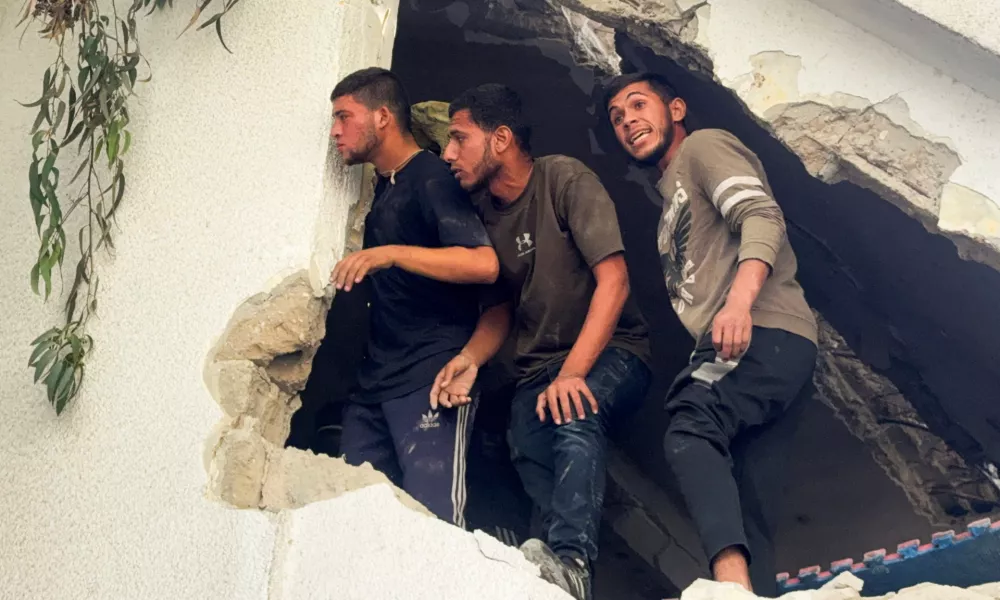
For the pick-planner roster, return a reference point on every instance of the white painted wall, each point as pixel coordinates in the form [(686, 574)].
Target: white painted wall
[(228, 186), (839, 57), (978, 20)]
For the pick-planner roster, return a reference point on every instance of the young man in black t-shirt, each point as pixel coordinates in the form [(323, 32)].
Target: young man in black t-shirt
[(423, 245)]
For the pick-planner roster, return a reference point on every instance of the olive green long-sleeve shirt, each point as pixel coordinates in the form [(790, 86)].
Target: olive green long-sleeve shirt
[(719, 211)]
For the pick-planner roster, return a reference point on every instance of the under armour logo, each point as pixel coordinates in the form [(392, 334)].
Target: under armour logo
[(524, 244)]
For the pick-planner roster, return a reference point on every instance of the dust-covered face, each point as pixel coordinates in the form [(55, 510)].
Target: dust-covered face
[(642, 122), (353, 130), (468, 152)]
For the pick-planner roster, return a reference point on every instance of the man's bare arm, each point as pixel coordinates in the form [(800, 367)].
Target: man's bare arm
[(454, 264), (491, 331), (453, 383), (602, 317), (569, 389)]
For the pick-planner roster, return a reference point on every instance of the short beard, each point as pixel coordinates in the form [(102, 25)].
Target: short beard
[(660, 150), (368, 147), (484, 172)]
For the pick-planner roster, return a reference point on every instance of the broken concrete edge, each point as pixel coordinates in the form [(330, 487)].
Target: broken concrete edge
[(255, 372), (248, 472), (671, 29), (874, 410)]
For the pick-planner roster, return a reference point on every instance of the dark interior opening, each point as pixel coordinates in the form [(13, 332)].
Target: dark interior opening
[(904, 300)]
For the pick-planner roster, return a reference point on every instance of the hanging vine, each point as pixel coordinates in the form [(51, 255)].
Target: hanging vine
[(83, 113)]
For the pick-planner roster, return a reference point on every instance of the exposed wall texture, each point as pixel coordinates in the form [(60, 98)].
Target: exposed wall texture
[(783, 54), (231, 186)]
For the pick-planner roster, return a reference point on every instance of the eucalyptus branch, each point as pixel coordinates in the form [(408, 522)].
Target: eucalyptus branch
[(92, 101)]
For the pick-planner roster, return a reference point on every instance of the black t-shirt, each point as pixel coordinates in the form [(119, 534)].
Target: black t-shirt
[(418, 324)]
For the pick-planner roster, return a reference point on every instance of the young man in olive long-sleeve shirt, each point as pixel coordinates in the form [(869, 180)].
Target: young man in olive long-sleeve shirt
[(730, 274)]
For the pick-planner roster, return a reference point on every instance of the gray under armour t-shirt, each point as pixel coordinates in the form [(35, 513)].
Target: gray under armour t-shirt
[(548, 241)]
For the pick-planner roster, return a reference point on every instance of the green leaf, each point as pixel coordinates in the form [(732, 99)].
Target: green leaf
[(112, 148), (63, 383), (215, 19), (82, 78), (50, 161), (42, 114), (72, 114), (218, 32), (83, 165), (194, 17), (35, 103), (59, 115), (48, 335), (118, 194), (128, 142), (45, 360), (103, 97), (34, 278), (52, 379), (45, 270), (39, 350), (75, 133)]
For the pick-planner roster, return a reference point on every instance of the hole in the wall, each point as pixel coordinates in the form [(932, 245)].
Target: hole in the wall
[(870, 285), (866, 265)]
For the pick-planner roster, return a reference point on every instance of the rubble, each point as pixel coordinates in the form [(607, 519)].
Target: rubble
[(844, 587)]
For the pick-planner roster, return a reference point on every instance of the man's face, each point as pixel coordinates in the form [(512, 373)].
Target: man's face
[(353, 130), (643, 122), (468, 153)]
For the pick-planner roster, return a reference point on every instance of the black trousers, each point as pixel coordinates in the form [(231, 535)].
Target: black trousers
[(725, 443)]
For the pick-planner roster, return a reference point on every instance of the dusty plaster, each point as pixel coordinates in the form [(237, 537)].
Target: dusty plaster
[(877, 146)]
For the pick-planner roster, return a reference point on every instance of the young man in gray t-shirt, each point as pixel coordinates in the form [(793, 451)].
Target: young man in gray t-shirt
[(581, 347), (730, 275)]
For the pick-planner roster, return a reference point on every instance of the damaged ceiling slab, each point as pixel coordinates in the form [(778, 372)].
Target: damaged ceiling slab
[(872, 141)]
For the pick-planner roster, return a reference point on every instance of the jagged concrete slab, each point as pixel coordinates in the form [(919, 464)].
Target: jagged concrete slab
[(366, 544)]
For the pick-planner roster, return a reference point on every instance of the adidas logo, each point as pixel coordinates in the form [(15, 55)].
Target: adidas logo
[(430, 420)]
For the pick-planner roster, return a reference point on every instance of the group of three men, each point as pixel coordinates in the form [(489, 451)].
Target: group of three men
[(491, 241)]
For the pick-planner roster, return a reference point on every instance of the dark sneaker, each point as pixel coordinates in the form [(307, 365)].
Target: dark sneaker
[(569, 574)]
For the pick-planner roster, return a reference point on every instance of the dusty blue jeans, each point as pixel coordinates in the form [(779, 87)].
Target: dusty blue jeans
[(562, 467)]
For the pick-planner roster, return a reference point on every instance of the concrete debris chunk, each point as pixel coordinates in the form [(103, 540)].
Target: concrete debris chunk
[(845, 586)]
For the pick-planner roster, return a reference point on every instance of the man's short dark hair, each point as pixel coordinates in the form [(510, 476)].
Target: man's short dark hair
[(375, 88), (491, 106), (658, 82)]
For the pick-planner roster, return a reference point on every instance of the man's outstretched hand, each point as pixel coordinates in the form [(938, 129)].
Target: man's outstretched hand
[(353, 268), (453, 385)]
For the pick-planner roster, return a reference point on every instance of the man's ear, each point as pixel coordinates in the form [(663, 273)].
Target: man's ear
[(383, 117), (678, 109), (502, 139)]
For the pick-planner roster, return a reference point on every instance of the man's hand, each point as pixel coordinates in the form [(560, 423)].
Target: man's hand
[(731, 330), (353, 268), (453, 384), (561, 393)]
